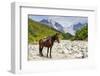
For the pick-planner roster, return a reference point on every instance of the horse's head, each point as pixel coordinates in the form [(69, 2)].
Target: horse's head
[(57, 37)]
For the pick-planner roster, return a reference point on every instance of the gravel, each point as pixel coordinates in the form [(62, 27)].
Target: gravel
[(66, 49)]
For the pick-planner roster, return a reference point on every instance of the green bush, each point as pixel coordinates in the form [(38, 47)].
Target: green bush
[(81, 34), (67, 36)]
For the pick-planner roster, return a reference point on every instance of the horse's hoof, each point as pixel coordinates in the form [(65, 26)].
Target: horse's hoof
[(41, 54), (82, 56), (50, 56)]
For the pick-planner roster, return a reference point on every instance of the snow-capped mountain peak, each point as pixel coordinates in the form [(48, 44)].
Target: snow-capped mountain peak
[(56, 25), (53, 24)]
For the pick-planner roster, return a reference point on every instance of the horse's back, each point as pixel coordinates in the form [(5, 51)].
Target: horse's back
[(45, 42)]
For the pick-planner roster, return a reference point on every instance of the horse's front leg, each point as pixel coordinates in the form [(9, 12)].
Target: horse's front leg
[(47, 51), (50, 52)]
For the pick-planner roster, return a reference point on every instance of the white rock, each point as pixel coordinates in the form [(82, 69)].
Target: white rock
[(65, 49)]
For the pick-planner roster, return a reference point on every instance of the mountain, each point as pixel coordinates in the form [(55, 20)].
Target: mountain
[(77, 26), (37, 30), (74, 27), (56, 25), (70, 30), (53, 24), (45, 21)]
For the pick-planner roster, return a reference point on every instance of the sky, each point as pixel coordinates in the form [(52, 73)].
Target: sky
[(65, 21)]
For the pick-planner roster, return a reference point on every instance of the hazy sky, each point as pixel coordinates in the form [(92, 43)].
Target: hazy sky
[(65, 21)]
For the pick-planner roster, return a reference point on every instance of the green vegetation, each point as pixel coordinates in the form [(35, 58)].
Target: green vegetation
[(37, 30), (81, 34), (67, 36)]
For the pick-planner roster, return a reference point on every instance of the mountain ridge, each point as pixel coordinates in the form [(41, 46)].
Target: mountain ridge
[(56, 25), (36, 31), (53, 24)]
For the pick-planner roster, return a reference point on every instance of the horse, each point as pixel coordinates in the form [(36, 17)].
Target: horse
[(48, 42)]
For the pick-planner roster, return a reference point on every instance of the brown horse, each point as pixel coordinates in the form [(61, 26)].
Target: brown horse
[(48, 42)]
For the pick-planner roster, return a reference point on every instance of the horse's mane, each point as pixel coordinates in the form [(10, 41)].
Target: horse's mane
[(53, 37)]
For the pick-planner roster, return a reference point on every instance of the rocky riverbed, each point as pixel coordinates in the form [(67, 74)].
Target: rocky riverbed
[(66, 49)]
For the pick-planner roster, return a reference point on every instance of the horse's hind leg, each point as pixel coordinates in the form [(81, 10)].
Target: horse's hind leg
[(47, 52), (50, 52), (40, 50)]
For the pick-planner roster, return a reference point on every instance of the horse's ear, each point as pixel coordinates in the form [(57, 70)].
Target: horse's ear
[(57, 33)]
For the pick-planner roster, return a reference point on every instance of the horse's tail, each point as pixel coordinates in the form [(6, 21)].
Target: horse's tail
[(40, 47), (40, 41), (40, 50)]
